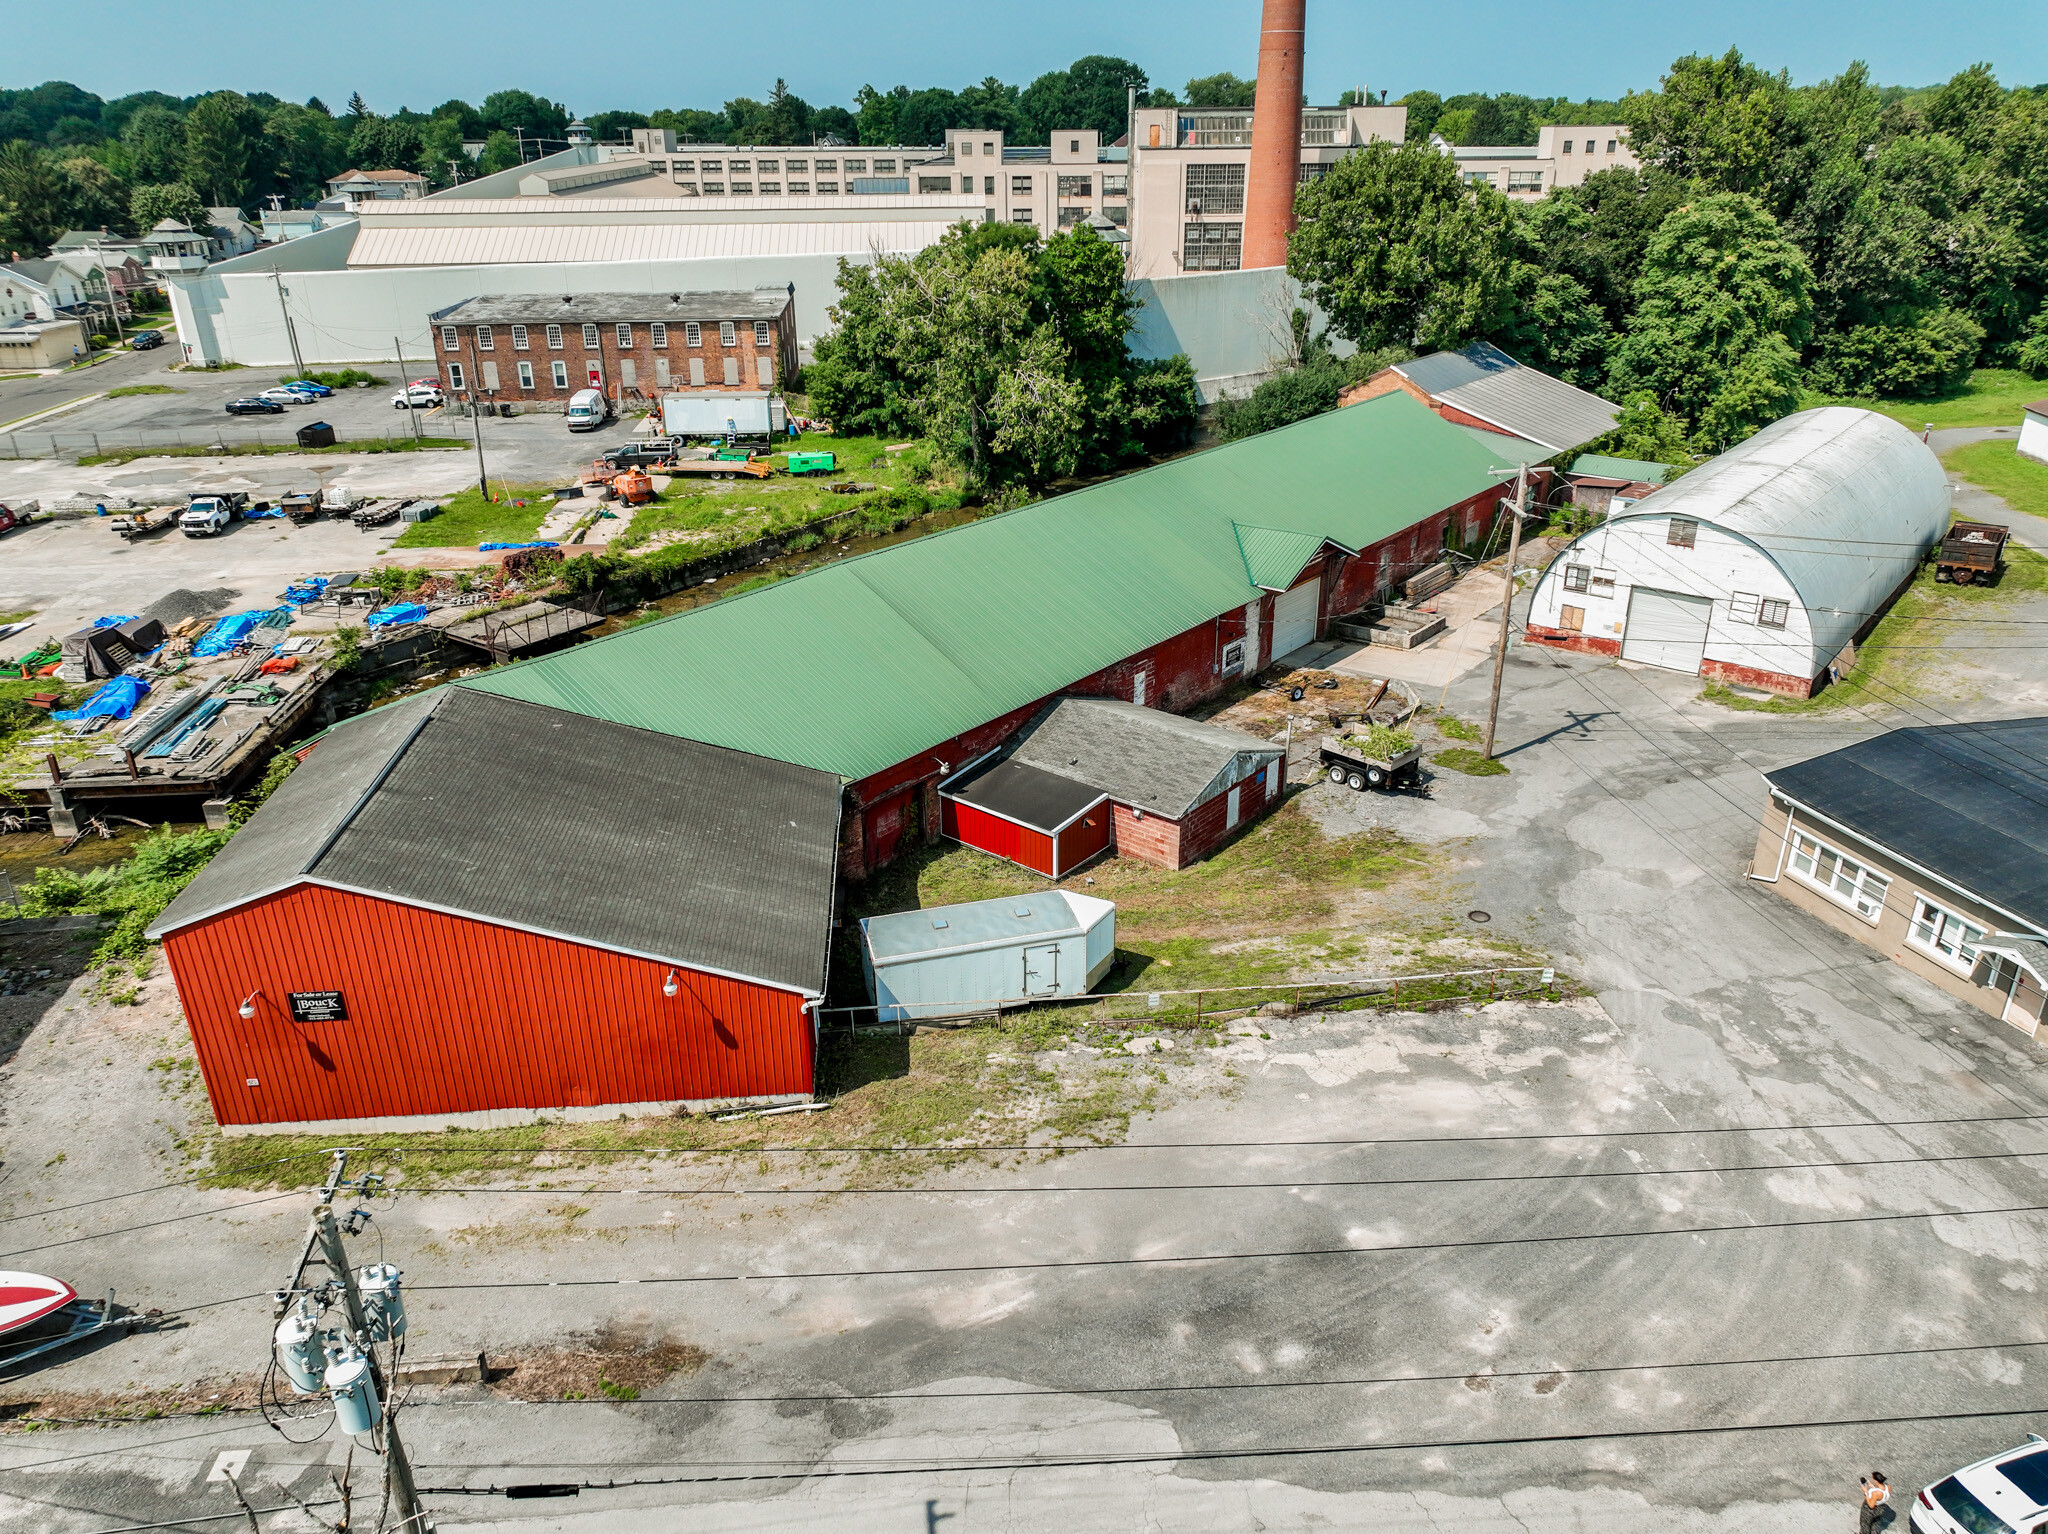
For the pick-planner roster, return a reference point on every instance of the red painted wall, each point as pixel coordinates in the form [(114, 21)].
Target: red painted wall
[(448, 1015), (1565, 639), (1084, 838), (1752, 676), (976, 827)]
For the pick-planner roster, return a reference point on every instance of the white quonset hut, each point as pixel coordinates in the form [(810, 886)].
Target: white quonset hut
[(1761, 566)]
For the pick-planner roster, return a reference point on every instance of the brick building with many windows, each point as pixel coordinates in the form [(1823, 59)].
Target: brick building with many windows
[(545, 347)]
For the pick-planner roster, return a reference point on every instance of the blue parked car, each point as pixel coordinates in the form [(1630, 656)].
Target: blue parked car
[(307, 386)]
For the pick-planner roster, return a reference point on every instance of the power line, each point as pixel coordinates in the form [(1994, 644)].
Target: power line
[(199, 1181), (176, 1219), (1277, 1255), (814, 1469)]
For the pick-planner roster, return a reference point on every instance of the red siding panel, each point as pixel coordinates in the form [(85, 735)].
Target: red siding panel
[(1084, 838), (1004, 838), (447, 1015)]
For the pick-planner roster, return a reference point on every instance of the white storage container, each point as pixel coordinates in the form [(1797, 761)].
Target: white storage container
[(957, 960)]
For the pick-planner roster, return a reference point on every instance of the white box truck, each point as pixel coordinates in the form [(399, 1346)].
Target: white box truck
[(588, 409), (745, 417)]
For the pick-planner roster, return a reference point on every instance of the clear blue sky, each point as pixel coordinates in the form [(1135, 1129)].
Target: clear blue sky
[(640, 55)]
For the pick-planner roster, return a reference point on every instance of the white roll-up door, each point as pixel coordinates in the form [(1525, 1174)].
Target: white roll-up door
[(1294, 617), (1666, 628)]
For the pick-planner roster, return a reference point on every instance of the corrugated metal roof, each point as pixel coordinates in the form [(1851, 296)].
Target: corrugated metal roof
[(1968, 802), (611, 308), (1507, 449), (1157, 761), (630, 242), (1634, 470), (1484, 381), (939, 205), (1845, 500), (554, 823), (874, 659), (1274, 556)]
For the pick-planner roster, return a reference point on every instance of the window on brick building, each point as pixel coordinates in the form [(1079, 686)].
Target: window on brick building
[(555, 339), (760, 332), (1215, 188), (455, 375), (526, 375), (657, 334), (519, 338), (625, 335), (450, 341), (590, 338), (561, 370), (727, 335), (484, 340), (693, 334), (1020, 186)]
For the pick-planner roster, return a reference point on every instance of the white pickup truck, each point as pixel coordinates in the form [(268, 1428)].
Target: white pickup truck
[(206, 515)]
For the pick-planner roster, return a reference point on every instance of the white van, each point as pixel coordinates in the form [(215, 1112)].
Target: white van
[(588, 410)]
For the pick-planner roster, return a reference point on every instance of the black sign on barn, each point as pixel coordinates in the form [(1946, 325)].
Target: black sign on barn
[(318, 1007)]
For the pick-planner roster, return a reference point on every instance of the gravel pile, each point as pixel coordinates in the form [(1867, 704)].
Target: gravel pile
[(173, 608)]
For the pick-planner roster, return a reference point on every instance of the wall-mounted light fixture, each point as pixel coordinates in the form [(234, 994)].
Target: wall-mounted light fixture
[(669, 986), (248, 1007)]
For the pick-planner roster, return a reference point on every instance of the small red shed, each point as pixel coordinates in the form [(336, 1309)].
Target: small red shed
[(1091, 773), (466, 909)]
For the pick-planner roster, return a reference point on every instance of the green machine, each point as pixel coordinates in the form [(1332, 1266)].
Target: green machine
[(812, 463)]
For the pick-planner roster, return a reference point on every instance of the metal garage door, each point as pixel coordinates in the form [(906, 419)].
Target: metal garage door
[(1666, 628), (1294, 617)]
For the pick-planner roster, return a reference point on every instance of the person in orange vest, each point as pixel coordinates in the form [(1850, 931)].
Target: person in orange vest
[(1877, 1496)]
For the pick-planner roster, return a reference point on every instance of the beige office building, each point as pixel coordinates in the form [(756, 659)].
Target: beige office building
[(1561, 156)]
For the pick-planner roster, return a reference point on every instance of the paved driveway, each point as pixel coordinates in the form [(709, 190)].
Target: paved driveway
[(1528, 1265)]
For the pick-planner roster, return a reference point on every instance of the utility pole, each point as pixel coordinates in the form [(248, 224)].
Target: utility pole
[(290, 330), (1507, 602), (476, 423), (342, 1358), (405, 388)]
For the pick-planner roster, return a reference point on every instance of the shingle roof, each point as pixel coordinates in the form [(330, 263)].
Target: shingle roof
[(877, 658), (1028, 795), (1485, 382), (1967, 802), (555, 823), (1140, 756), (609, 308)]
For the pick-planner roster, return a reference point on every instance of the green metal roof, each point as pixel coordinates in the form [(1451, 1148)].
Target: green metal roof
[(1273, 556), (1602, 467), (865, 662)]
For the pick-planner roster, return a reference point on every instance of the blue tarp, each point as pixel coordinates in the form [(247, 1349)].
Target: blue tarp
[(235, 628), (276, 512), (301, 592), (399, 612), (485, 548), (118, 698), (113, 622)]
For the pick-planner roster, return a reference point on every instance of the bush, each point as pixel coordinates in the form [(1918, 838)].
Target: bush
[(347, 653), (347, 378), (1281, 401), (134, 893), (1933, 355), (2032, 353)]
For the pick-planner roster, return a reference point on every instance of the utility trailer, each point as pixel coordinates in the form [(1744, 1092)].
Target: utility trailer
[(376, 513), (303, 506), (140, 524), (1971, 554), (718, 468), (1350, 765)]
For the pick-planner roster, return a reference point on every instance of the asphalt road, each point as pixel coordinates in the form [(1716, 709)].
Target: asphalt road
[(27, 396), (1738, 1207)]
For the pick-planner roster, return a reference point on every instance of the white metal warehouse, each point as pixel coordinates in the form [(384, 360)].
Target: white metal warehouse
[(1761, 566)]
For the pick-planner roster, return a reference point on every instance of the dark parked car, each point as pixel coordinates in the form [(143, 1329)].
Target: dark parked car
[(254, 407), (143, 340)]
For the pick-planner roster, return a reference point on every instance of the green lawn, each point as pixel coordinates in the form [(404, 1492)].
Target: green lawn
[(1993, 397), (748, 508), (468, 519), (1997, 466)]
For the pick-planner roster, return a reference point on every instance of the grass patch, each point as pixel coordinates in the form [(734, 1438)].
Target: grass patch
[(469, 519), (1992, 397), (1997, 466), (134, 389), (1454, 728), (1912, 638), (1474, 764), (132, 893), (119, 455)]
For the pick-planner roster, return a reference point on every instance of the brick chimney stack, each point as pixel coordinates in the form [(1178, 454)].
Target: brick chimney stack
[(1276, 135)]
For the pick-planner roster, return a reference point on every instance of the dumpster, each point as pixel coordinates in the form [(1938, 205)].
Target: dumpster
[(316, 434), (963, 960)]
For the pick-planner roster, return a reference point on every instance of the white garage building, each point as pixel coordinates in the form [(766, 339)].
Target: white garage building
[(1761, 566)]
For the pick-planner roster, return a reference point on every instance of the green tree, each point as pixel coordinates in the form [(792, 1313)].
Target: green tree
[(472, 122), (876, 111), (1089, 93), (358, 109), (1424, 108), (155, 140), (1646, 432), (689, 125), (303, 148), (384, 143), (1722, 121), (991, 105), (149, 206), (1932, 355), (32, 200), (1722, 309), (223, 133), (923, 117), (515, 110), (1225, 91), (500, 152), (1397, 250), (94, 196), (1555, 326), (441, 156), (606, 127), (834, 125)]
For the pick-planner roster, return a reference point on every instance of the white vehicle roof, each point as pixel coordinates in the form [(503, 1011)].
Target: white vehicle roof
[(2014, 1484)]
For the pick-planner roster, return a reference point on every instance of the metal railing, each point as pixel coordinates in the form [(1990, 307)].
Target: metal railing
[(1193, 1008)]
